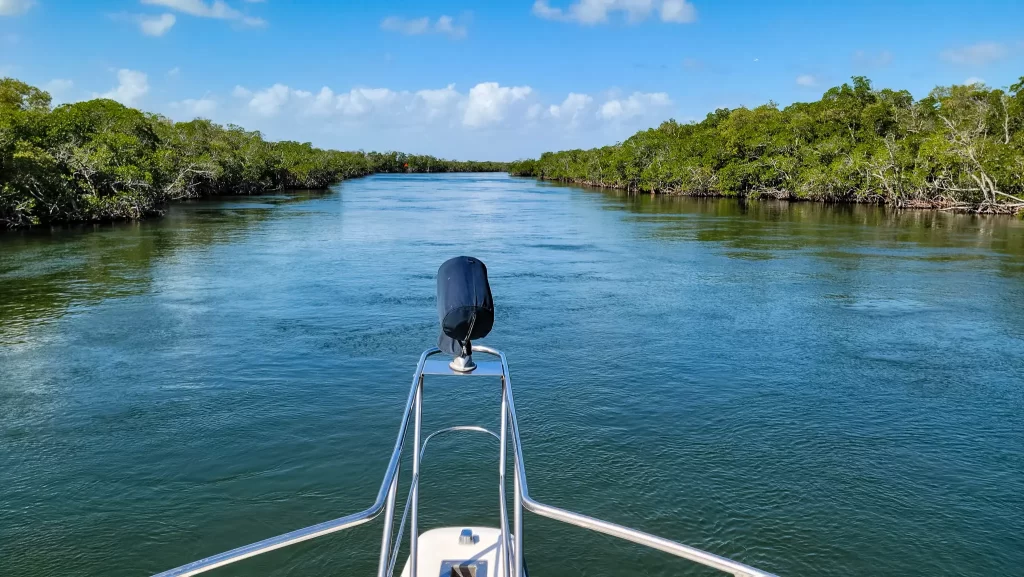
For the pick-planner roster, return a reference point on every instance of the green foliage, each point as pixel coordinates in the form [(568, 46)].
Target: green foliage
[(961, 146), (99, 160)]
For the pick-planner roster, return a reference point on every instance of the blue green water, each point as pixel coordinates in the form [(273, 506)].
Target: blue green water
[(814, 390)]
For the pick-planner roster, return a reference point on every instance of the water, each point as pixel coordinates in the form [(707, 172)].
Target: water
[(816, 390)]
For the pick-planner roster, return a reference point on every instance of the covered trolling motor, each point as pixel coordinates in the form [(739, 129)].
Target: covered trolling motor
[(464, 307)]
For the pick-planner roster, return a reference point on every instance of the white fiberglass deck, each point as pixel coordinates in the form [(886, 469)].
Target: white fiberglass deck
[(446, 552)]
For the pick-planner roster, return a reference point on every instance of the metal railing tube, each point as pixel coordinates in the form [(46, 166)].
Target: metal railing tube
[(389, 519), (639, 537), (414, 535), (408, 501), (327, 527), (502, 454), (387, 494), (518, 527)]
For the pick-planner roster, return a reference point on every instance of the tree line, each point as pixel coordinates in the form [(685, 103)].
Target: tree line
[(959, 148), (99, 160)]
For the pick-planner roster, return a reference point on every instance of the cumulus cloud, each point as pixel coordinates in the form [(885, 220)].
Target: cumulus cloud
[(15, 7), (638, 104), (436, 103), (488, 103), (679, 11), (572, 109), (806, 80), (362, 101), (218, 9), (132, 85), (269, 102), (597, 11), (415, 26), (488, 119), (157, 25), (978, 54), (356, 102)]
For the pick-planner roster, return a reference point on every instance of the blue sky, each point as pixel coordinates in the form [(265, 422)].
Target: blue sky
[(492, 80)]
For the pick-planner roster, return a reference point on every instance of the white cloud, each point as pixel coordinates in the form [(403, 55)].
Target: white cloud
[(543, 10), (679, 11), (174, 72), (362, 101), (446, 25), (196, 107), (488, 103), (324, 103), (157, 25), (806, 80), (269, 102), (218, 9), (974, 80), (638, 104), (485, 105), (572, 108), (438, 102), (597, 11), (415, 26), (58, 86), (488, 120), (132, 86), (15, 7), (978, 54)]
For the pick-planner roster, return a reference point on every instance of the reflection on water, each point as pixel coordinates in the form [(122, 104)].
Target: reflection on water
[(815, 389), (43, 273)]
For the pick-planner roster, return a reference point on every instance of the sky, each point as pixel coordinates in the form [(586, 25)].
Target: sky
[(492, 80)]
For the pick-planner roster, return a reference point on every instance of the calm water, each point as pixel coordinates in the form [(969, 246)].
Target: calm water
[(815, 390)]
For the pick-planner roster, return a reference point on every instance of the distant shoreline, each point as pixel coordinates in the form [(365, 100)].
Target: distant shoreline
[(961, 148), (914, 204), (101, 161)]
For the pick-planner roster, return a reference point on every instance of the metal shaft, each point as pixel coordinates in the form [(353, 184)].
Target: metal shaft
[(414, 533), (389, 519), (502, 453), (518, 530)]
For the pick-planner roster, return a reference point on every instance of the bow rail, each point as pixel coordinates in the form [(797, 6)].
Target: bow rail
[(511, 541)]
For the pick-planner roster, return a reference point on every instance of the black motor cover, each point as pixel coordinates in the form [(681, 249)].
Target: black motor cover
[(464, 304)]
